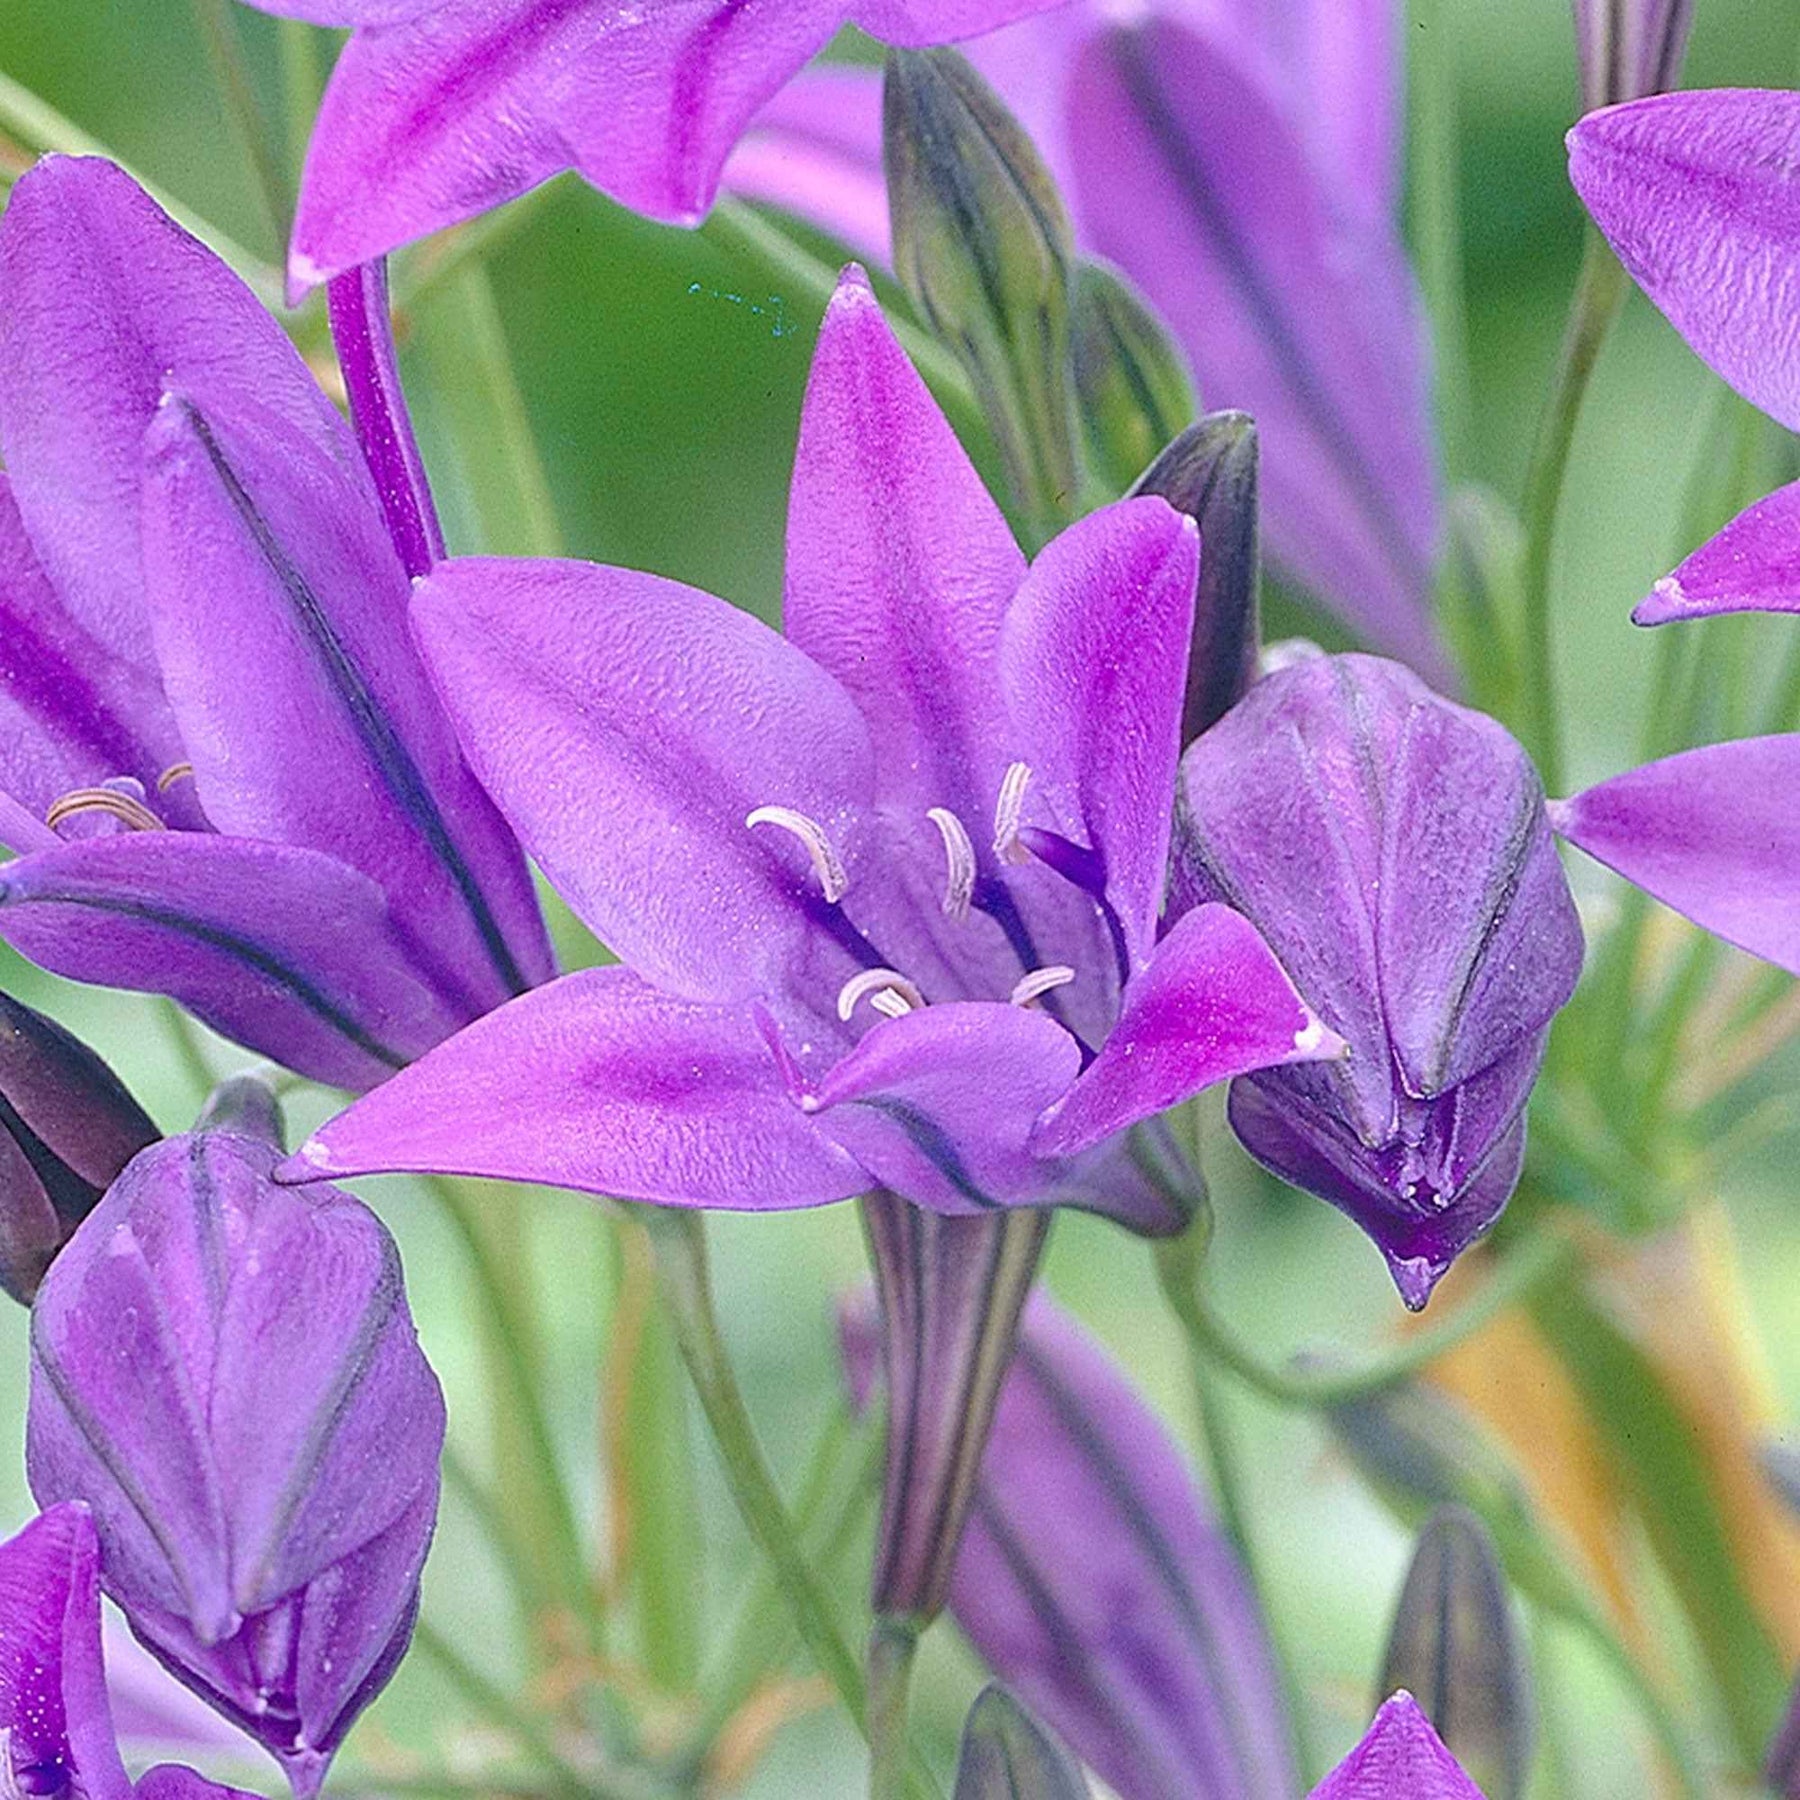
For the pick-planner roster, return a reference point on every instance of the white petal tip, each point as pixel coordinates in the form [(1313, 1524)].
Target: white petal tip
[(1316, 1041)]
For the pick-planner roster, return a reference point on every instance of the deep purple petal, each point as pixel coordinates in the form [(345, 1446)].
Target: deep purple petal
[(1093, 670), (1699, 193), (1213, 1003), (173, 1781), (939, 1104), (1713, 832), (285, 950), (628, 727), (1753, 565), (56, 1730), (1399, 1755), (598, 1082)]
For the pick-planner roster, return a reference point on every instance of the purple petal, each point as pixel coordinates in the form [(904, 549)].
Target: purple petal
[(1286, 309), (305, 709), (598, 1082), (1400, 1754), (1093, 668), (917, 22), (1712, 833), (56, 1730), (1212, 1003), (628, 727), (815, 149), (172, 1781), (1628, 48), (356, 13), (1699, 193), (899, 565), (939, 1104), (1348, 58), (1753, 565), (285, 950)]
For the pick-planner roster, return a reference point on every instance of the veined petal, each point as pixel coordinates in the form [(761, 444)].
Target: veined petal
[(915, 22), (899, 564), (305, 709), (1712, 833), (1400, 1754), (1093, 670), (285, 950), (1287, 310), (598, 1082), (1753, 565), (939, 1104), (1212, 1003), (1699, 193), (474, 102), (628, 727)]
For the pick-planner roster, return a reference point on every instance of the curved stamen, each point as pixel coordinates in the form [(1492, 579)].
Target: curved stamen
[(181, 771), (1032, 988), (827, 864), (126, 808), (959, 853), (887, 990), (1008, 811)]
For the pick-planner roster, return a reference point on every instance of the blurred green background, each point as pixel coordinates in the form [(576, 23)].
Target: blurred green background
[(647, 382)]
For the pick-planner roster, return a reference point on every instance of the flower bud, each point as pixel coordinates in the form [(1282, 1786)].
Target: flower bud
[(1131, 380), (225, 1372), (1781, 1767), (67, 1127), (1400, 1758), (1210, 473), (1007, 1755), (1393, 850), (1629, 48), (1455, 1647), (983, 247)]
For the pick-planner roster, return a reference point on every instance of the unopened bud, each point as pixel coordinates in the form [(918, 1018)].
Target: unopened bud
[(67, 1127), (1781, 1464), (1210, 473), (1131, 379), (1781, 1768), (1629, 48), (1455, 1647), (982, 245), (1007, 1755)]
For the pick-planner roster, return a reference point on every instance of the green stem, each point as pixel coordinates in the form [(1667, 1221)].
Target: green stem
[(893, 1643), (1542, 1257), (1600, 291), (225, 51)]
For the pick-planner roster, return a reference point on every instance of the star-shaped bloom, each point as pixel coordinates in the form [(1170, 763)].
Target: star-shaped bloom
[(886, 890)]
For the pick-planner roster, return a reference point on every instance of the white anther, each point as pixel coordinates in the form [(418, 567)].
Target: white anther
[(1033, 987), (1007, 812), (125, 807), (959, 853), (827, 864), (887, 990)]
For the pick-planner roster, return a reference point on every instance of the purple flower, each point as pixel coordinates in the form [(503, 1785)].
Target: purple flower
[(1699, 193), (56, 1729), (1240, 164), (1399, 1758), (886, 890), (440, 109), (1393, 849), (225, 1371), (220, 754), (1629, 48), (1095, 1584), (67, 1127)]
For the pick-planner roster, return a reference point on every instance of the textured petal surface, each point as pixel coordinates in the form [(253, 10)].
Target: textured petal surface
[(1699, 193), (171, 1781), (939, 21), (287, 951), (1712, 832), (1399, 1755), (598, 1082), (1213, 1003), (628, 726), (1753, 565)]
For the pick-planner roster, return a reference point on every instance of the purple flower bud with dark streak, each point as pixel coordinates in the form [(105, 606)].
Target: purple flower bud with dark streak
[(1400, 1758), (67, 1127), (225, 1371), (1393, 850)]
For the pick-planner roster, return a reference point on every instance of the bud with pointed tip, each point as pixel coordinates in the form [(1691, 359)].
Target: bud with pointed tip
[(1210, 473), (225, 1371), (1400, 1758), (1131, 379), (1007, 1755), (1629, 48), (67, 1127), (983, 247), (1454, 1645)]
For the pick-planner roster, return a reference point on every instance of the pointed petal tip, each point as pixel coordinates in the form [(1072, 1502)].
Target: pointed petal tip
[(1416, 1278), (853, 289), (311, 1162), (1666, 600)]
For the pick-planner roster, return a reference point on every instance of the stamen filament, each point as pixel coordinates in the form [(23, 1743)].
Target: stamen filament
[(959, 853), (826, 862), (1008, 811), (1031, 988), (887, 990), (131, 811), (181, 771)]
